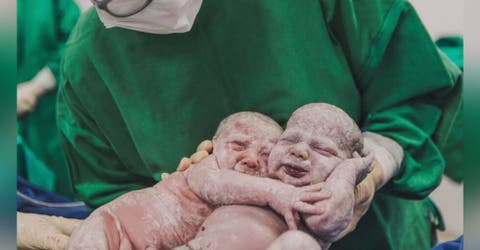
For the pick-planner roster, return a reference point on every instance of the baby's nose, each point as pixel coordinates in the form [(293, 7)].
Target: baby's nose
[(250, 162), (300, 151)]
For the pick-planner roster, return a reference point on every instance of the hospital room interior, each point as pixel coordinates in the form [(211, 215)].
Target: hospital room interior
[(46, 193)]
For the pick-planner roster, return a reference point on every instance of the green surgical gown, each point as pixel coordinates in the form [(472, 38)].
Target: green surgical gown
[(43, 28), (132, 103)]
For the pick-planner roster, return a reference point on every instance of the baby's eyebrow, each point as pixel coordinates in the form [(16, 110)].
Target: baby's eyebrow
[(291, 135), (326, 145)]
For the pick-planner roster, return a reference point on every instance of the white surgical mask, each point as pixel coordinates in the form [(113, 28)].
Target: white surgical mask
[(159, 17)]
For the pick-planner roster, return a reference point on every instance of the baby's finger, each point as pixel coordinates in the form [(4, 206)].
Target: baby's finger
[(314, 187), (306, 208), (368, 162), (290, 220), (296, 216), (315, 196), (369, 158)]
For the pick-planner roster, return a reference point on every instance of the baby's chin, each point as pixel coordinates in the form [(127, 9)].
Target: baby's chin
[(294, 181)]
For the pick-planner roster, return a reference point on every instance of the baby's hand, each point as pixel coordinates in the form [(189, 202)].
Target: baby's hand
[(338, 209), (293, 200)]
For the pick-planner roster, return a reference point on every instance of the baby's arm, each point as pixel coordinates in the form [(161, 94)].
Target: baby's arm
[(339, 207), (224, 186)]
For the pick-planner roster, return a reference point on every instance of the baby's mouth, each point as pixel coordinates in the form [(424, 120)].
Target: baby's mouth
[(294, 170)]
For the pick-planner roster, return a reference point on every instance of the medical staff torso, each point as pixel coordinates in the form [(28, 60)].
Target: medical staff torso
[(132, 104)]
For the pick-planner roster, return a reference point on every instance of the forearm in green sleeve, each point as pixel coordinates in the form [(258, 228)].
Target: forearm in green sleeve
[(422, 164)]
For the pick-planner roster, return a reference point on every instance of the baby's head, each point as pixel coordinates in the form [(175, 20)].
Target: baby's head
[(318, 137), (243, 142)]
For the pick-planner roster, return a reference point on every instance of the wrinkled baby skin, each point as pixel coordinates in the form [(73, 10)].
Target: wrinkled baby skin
[(161, 217), (239, 227), (170, 213), (241, 148), (317, 146), (243, 142)]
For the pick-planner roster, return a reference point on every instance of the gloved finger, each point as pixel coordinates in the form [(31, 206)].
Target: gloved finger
[(290, 220), (198, 156), (184, 164), (165, 175), (351, 226), (368, 160), (65, 225), (314, 187), (205, 145), (307, 208), (315, 196)]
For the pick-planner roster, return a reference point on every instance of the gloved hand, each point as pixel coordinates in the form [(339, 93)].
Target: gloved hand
[(37, 231), (203, 150), (289, 201), (364, 193), (339, 208)]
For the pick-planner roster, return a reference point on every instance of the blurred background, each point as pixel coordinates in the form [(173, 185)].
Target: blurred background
[(444, 21)]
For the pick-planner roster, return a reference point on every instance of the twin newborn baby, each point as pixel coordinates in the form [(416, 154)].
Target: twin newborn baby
[(303, 178)]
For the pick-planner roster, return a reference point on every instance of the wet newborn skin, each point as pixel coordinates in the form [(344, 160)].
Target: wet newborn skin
[(170, 213), (317, 146), (322, 143)]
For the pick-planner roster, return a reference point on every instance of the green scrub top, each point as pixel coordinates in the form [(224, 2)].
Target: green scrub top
[(132, 103), (43, 28)]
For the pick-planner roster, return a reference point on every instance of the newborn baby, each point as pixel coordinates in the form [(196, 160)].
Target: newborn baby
[(170, 213), (321, 143)]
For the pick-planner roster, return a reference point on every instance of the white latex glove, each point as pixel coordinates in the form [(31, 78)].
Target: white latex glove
[(203, 150), (37, 231)]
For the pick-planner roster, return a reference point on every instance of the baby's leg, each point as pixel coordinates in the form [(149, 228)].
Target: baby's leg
[(100, 230), (160, 217), (294, 240)]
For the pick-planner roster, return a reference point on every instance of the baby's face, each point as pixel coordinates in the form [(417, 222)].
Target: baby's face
[(245, 148), (303, 157)]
